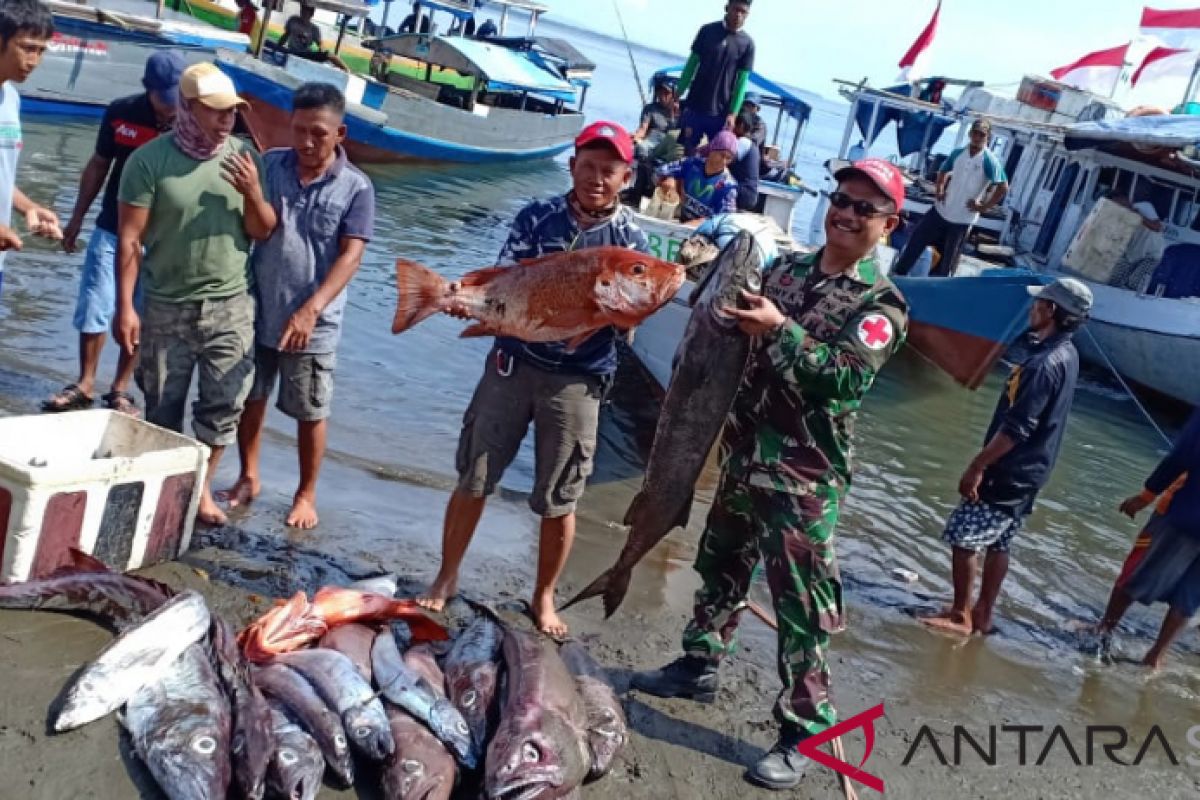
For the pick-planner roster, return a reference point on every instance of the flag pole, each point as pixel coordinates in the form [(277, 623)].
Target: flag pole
[(1191, 87)]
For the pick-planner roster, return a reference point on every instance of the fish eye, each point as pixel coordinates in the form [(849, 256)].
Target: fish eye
[(413, 767), (530, 754), (339, 741), (204, 745), (469, 698), (362, 733), (287, 757), (639, 269)]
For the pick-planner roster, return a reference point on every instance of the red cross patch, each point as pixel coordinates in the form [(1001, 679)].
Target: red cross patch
[(875, 331)]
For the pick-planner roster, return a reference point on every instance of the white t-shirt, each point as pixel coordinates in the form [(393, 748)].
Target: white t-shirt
[(969, 177), (10, 151)]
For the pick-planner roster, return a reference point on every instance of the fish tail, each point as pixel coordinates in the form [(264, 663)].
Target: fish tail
[(421, 293), (612, 585)]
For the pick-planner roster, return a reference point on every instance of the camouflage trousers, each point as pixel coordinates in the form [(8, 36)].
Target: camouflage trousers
[(792, 535)]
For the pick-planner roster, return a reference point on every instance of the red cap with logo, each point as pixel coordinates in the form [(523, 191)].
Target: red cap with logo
[(611, 133), (881, 172)]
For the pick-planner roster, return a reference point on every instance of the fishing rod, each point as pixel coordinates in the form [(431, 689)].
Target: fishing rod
[(629, 49)]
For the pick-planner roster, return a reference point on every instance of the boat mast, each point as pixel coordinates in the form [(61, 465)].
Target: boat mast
[(1192, 84)]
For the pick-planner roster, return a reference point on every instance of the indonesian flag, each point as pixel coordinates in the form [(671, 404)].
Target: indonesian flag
[(916, 61), (1096, 72), (1178, 27), (1164, 64)]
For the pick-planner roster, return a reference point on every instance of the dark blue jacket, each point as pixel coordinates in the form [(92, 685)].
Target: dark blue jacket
[(1184, 511), (1033, 413)]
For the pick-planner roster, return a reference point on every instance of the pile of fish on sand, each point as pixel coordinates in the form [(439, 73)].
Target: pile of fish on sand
[(496, 711)]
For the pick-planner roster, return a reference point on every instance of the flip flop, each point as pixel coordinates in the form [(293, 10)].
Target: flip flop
[(122, 402), (71, 398)]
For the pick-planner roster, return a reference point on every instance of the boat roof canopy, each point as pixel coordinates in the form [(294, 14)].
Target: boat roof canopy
[(504, 69), (796, 108), (465, 9), (1157, 131), (347, 7)]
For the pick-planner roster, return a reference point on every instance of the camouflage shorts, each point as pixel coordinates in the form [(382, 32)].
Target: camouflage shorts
[(213, 339)]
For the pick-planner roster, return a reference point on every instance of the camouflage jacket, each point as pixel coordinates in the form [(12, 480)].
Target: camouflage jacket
[(791, 425)]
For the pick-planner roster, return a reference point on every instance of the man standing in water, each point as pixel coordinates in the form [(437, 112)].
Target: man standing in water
[(1000, 484), (326, 211), (128, 124), (25, 30), (965, 177), (559, 390), (827, 324), (715, 76), (1165, 562), (194, 201)]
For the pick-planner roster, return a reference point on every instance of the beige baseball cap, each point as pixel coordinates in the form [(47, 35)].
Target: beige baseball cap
[(206, 83)]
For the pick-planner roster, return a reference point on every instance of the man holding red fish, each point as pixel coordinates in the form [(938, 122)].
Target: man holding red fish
[(556, 384)]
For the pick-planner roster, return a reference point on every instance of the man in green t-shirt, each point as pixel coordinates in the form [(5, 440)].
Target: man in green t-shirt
[(194, 201)]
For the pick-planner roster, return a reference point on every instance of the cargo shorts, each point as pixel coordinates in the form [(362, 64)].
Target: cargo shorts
[(305, 382), (213, 339), (564, 410)]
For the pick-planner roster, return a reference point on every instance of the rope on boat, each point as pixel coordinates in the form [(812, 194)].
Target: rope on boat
[(1092, 338)]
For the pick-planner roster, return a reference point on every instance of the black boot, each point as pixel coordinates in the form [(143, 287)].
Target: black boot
[(691, 676), (782, 768)]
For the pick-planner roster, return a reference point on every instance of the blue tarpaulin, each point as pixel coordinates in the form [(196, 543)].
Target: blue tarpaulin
[(1164, 130), (454, 9), (912, 127), (510, 71)]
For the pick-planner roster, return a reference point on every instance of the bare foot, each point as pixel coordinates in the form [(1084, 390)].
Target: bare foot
[(981, 622), (242, 492), (441, 591), (1153, 660), (209, 513), (303, 514), (951, 622), (546, 617)]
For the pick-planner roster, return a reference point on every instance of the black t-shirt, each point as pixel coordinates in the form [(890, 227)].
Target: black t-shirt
[(723, 55), (660, 118), (127, 125)]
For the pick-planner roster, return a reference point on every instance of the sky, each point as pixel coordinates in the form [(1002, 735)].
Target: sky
[(808, 43)]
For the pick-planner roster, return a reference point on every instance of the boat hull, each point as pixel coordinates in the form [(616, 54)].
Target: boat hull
[(409, 127)]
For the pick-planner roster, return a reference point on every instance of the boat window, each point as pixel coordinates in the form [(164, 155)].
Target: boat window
[(1083, 181), (1157, 194), (1185, 205), (1106, 183), (1055, 170)]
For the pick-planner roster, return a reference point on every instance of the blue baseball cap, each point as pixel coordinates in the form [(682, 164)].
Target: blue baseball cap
[(163, 69), (756, 99)]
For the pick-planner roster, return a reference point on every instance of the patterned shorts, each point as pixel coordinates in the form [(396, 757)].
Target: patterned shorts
[(974, 526)]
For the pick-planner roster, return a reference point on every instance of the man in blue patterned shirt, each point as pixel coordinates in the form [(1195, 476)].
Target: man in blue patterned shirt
[(559, 390)]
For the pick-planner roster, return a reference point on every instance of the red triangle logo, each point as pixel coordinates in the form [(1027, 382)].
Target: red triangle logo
[(811, 747)]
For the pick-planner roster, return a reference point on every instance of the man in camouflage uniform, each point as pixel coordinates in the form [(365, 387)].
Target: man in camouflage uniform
[(827, 324)]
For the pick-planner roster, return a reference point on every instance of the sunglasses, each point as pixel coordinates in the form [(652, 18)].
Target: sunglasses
[(842, 201)]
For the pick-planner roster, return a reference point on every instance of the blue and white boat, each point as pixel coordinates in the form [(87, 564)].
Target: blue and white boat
[(98, 54)]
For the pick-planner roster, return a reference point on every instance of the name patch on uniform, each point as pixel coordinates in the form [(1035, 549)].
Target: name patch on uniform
[(875, 331)]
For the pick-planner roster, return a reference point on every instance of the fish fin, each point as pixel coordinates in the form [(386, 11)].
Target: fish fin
[(477, 330), (481, 277), (421, 292), (593, 589)]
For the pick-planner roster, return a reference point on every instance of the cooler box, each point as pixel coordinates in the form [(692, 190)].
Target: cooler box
[(1102, 240), (119, 488)]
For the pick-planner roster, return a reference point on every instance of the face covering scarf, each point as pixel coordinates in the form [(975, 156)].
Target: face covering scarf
[(192, 139)]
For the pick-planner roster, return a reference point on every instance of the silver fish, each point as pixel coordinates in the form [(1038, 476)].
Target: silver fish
[(407, 689), (538, 749), (472, 675), (253, 741), (297, 764), (289, 688), (421, 768), (140, 656), (607, 729), (354, 641), (709, 365), (343, 688), (180, 727)]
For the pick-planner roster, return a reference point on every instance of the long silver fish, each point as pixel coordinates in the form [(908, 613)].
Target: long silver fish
[(353, 640), (180, 727), (539, 748), (421, 768), (253, 740), (141, 655), (297, 763), (343, 688), (87, 585), (407, 689), (472, 675), (709, 365), (289, 688), (607, 729)]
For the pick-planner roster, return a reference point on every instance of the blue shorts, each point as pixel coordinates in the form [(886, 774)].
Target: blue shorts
[(97, 301), (1170, 570), (696, 127), (974, 526)]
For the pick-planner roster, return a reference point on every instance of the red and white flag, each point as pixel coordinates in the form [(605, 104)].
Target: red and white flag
[(916, 61), (1165, 64), (1097, 72), (1177, 27)]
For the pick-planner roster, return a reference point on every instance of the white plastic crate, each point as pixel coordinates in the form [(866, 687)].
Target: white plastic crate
[(119, 488)]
